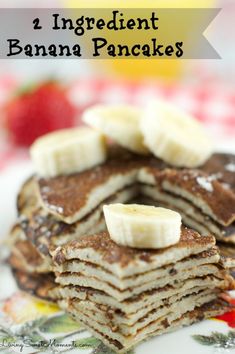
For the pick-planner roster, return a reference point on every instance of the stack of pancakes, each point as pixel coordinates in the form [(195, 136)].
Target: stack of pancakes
[(124, 295), (205, 198), (41, 226), (53, 211)]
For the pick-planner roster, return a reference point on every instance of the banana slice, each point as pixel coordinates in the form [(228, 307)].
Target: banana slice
[(174, 136), (118, 122), (142, 226), (67, 151)]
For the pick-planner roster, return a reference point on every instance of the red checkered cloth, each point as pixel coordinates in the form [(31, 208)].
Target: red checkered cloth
[(213, 106)]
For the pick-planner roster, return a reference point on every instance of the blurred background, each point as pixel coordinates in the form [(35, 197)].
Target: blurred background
[(204, 87), (220, 33), (32, 104)]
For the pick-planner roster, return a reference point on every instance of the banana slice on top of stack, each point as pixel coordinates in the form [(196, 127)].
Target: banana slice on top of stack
[(142, 226), (169, 133), (160, 128)]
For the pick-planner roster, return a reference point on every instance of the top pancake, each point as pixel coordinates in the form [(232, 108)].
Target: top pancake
[(125, 261), (72, 197), (203, 190), (45, 232)]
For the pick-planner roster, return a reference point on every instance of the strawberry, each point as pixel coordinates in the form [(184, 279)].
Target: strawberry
[(38, 111)]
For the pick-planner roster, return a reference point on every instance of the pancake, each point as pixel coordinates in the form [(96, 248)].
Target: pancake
[(200, 189), (31, 271), (126, 294), (130, 325), (45, 232), (88, 269), (123, 332), (82, 280), (227, 251), (205, 197), (26, 258), (191, 215), (146, 300), (207, 310), (124, 168), (72, 197), (126, 261), (24, 255), (35, 284)]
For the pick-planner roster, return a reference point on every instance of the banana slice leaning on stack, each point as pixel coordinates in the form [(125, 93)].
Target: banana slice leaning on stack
[(142, 226), (67, 151), (120, 123), (175, 136)]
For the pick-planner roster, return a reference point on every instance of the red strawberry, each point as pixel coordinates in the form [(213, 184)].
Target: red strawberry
[(37, 112)]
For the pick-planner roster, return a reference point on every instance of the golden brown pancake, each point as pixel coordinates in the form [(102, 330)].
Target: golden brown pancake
[(35, 284), (191, 215), (203, 191), (209, 190), (205, 311), (44, 231), (114, 255), (125, 295), (72, 197)]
